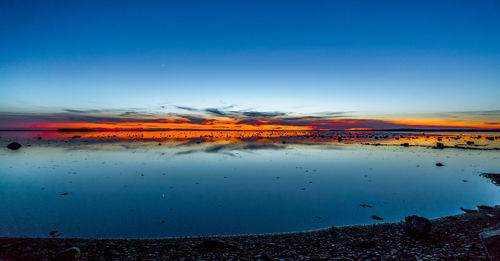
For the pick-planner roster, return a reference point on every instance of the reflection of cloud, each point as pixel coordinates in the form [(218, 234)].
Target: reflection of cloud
[(223, 148)]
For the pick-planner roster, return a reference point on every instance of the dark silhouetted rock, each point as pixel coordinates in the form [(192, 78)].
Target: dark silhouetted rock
[(439, 164), (439, 145), (27, 257), (486, 208), (468, 210), (362, 243), (14, 146), (212, 244), (266, 257), (339, 139), (70, 254), (406, 144), (470, 143), (415, 225), (377, 218), (334, 231), (54, 233), (111, 253), (494, 177), (491, 242)]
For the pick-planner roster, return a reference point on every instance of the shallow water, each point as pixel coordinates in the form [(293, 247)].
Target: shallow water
[(193, 184)]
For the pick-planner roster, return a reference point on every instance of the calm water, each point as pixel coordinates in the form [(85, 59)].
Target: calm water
[(194, 184)]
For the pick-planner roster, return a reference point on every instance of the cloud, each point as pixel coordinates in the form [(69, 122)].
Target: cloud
[(186, 108), (81, 111), (228, 118), (215, 112), (257, 114)]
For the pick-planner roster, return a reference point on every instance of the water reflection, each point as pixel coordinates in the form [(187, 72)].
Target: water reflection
[(161, 184)]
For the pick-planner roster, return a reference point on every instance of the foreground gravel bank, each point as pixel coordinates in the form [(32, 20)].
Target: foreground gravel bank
[(451, 238)]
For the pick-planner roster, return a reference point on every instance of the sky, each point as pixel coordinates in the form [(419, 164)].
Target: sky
[(249, 64)]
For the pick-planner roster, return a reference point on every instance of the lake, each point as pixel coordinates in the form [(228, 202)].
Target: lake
[(190, 183)]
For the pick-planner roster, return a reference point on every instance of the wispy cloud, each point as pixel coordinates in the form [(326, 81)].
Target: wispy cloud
[(228, 118)]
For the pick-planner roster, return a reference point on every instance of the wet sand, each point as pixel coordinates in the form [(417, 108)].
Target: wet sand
[(451, 238)]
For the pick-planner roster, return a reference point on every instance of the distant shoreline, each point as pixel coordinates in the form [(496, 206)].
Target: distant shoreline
[(384, 130)]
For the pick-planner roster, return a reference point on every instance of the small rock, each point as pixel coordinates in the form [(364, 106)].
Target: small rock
[(439, 164), (377, 218), (439, 145), (494, 177), (54, 233), (416, 225), (468, 210), (266, 257), (111, 252), (14, 146), (27, 257), (486, 208), (334, 231), (70, 254), (212, 244)]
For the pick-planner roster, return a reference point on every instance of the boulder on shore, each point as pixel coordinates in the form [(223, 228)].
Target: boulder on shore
[(415, 225), (70, 254)]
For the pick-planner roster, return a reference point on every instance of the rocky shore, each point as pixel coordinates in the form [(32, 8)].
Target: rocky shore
[(450, 238)]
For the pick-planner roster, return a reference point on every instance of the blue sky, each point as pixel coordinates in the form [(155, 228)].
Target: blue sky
[(365, 57)]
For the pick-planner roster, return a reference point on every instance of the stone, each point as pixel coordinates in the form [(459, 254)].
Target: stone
[(439, 145), (27, 257), (69, 254), (14, 146), (494, 177), (213, 244), (415, 225), (111, 253), (491, 242)]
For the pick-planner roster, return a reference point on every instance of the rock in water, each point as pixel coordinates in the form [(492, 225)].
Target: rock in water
[(14, 146), (70, 254), (491, 242), (416, 225)]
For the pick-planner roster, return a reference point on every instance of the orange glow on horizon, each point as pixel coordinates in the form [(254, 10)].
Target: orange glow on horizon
[(274, 124), (215, 125)]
